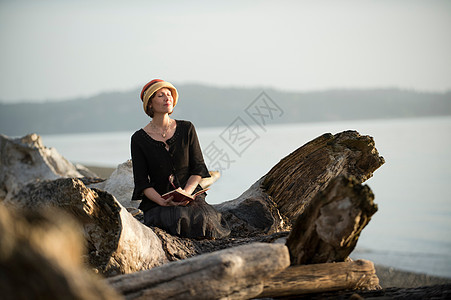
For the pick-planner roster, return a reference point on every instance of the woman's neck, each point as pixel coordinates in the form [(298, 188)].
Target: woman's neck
[(161, 121)]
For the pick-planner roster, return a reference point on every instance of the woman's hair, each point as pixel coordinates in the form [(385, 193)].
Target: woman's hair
[(149, 110)]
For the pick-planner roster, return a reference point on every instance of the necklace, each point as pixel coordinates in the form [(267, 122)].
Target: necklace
[(161, 132)]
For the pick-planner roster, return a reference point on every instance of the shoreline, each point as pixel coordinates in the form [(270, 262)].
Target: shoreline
[(391, 277), (102, 172), (388, 276)]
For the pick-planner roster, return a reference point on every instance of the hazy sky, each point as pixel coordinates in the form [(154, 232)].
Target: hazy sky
[(67, 48)]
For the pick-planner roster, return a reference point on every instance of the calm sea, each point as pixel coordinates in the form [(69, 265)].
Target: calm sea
[(411, 230)]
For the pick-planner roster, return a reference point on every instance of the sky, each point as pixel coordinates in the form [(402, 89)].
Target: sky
[(56, 50)]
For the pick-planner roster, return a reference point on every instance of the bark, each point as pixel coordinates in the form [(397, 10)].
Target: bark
[(235, 273), (328, 229), (253, 213), (319, 278), (297, 178)]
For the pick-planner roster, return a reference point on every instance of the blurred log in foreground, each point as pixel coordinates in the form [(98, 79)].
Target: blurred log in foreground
[(41, 257)]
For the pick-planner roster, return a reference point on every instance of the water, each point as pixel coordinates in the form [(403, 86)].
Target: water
[(411, 230)]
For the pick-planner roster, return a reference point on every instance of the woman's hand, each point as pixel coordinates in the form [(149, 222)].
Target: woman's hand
[(153, 195)]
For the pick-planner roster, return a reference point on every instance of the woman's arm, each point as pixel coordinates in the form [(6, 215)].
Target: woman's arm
[(196, 160), (192, 183), (140, 170)]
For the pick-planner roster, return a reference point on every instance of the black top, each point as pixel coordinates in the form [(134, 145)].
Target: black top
[(153, 164)]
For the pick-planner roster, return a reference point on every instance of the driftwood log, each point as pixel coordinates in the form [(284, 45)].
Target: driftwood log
[(243, 272), (26, 159), (235, 273), (298, 197)]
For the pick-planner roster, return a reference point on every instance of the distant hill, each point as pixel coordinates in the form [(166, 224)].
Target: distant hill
[(213, 106)]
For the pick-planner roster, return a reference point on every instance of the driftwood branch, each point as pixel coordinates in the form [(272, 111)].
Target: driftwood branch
[(318, 278)]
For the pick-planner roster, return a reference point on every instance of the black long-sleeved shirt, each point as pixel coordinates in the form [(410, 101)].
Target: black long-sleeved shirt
[(153, 164)]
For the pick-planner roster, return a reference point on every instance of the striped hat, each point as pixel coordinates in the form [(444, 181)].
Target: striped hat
[(150, 88)]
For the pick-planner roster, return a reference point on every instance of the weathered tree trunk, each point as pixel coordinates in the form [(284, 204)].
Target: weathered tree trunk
[(235, 273), (297, 178), (318, 278), (273, 203)]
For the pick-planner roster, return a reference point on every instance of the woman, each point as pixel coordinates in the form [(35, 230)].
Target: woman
[(166, 154)]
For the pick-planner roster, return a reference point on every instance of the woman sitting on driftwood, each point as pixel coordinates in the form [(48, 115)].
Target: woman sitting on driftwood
[(166, 154)]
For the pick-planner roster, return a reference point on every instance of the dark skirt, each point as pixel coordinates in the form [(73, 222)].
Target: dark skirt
[(196, 220)]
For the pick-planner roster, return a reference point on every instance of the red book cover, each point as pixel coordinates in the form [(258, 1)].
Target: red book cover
[(180, 196)]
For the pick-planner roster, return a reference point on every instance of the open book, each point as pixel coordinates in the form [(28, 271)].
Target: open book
[(180, 195)]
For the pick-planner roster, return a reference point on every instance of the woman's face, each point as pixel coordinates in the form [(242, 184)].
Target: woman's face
[(163, 102)]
